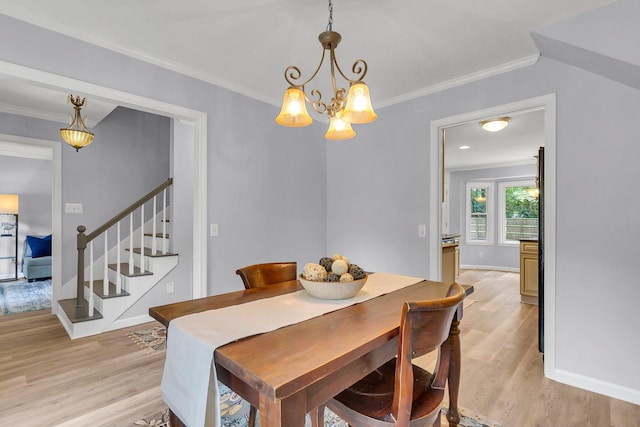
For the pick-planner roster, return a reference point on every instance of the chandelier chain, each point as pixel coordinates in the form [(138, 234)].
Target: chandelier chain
[(330, 24)]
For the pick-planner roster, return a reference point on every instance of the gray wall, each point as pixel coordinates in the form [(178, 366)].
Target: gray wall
[(30, 179), (494, 255)]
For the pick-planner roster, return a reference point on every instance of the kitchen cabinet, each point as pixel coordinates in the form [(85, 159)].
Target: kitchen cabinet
[(450, 257), (529, 271)]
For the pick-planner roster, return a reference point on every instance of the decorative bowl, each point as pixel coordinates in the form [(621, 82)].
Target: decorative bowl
[(333, 290)]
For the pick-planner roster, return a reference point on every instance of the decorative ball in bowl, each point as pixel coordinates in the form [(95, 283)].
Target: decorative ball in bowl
[(333, 278), (333, 290)]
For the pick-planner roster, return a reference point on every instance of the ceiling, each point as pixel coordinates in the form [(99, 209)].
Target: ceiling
[(412, 47), (518, 143)]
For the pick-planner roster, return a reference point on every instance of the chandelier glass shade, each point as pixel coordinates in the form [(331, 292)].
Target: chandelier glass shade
[(339, 129), (76, 134), (344, 108)]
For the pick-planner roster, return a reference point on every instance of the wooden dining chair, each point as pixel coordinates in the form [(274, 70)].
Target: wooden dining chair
[(261, 275), (400, 393)]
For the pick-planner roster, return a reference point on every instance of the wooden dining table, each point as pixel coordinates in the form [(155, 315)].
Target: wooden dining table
[(288, 372)]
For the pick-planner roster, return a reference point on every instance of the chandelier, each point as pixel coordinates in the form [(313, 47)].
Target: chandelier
[(76, 134), (344, 109)]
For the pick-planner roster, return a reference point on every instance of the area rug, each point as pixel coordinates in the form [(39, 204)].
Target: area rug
[(20, 297), (151, 339), (467, 419), (235, 413)]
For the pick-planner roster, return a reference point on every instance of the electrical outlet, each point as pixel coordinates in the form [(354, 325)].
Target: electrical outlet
[(481, 254), (170, 287), (422, 230)]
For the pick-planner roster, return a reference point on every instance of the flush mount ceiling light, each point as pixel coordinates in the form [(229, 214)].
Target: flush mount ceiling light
[(495, 125), (76, 134), (464, 147), (343, 111)]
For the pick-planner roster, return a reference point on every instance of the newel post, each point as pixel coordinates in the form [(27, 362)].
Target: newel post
[(82, 245)]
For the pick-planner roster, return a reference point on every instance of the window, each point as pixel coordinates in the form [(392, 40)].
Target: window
[(479, 200), (518, 211)]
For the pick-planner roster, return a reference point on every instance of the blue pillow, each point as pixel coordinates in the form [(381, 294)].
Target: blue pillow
[(40, 246)]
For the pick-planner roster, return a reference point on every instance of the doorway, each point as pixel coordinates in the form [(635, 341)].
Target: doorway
[(197, 167), (436, 174), (42, 150)]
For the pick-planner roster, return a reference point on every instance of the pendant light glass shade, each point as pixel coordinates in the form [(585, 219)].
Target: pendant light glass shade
[(358, 109), (76, 134), (339, 129), (76, 138), (294, 111)]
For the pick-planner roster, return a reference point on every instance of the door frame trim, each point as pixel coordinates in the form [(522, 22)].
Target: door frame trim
[(548, 104)]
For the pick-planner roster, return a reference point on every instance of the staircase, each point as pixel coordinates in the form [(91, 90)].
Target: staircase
[(125, 271)]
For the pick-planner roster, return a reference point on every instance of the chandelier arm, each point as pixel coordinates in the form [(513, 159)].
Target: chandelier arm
[(359, 70), (83, 123), (292, 73), (334, 64), (319, 106)]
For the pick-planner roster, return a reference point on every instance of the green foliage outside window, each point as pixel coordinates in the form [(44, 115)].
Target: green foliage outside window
[(521, 213), (478, 200), (520, 202)]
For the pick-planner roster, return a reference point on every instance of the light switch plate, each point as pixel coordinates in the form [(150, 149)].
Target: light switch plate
[(213, 231), (76, 208)]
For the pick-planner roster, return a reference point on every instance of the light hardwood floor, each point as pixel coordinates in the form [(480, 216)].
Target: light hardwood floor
[(46, 379)]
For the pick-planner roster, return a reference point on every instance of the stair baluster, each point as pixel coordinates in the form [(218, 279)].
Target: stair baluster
[(142, 266), (91, 302), (164, 221), (131, 244), (154, 245), (105, 280), (118, 249)]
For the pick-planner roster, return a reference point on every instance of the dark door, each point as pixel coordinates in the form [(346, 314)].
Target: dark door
[(541, 250)]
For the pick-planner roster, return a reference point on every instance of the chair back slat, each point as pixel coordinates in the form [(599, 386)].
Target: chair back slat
[(424, 327)]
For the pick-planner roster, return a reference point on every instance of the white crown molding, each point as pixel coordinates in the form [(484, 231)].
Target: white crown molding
[(459, 81), (180, 68), (177, 67)]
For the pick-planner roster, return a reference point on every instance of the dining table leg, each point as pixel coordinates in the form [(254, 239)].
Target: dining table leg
[(453, 416), (288, 412)]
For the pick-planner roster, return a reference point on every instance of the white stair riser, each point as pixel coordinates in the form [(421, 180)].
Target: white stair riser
[(113, 308)]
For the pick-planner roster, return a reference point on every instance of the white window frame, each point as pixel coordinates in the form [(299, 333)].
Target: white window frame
[(502, 186), (488, 186)]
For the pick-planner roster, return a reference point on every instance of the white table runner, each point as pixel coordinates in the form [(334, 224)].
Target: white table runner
[(189, 384)]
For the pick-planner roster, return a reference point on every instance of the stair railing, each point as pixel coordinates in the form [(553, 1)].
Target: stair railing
[(88, 239)]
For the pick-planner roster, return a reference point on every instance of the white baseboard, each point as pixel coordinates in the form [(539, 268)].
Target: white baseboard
[(597, 386), (490, 267)]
